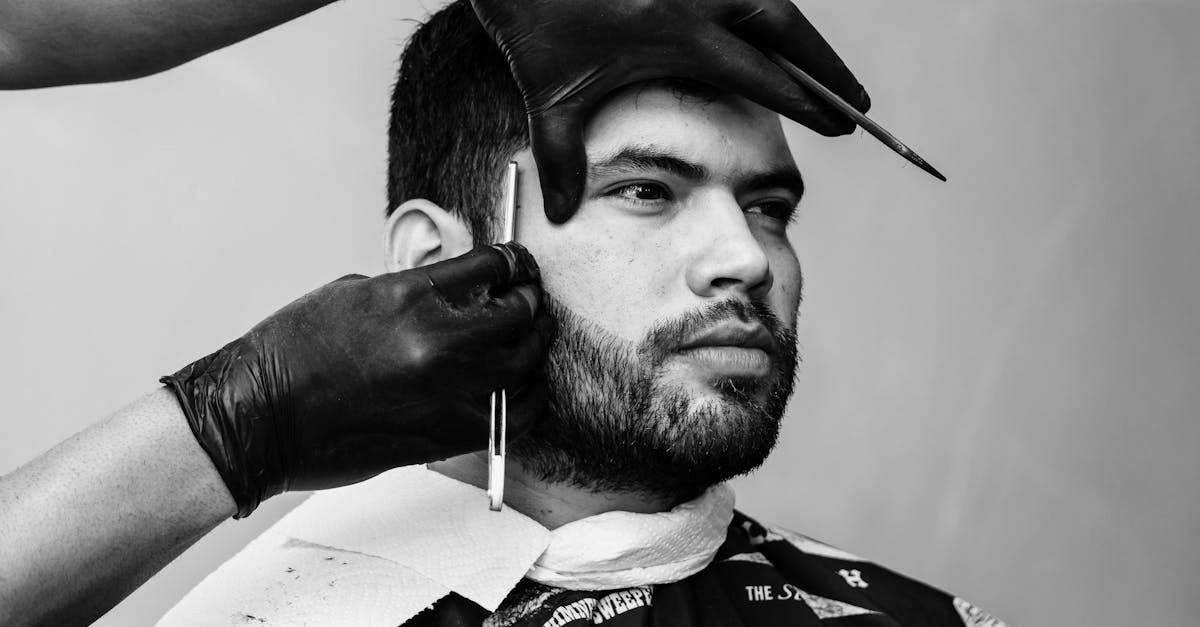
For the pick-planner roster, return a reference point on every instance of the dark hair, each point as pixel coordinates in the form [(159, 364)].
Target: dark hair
[(457, 117)]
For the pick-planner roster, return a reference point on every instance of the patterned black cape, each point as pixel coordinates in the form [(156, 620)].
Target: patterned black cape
[(760, 577)]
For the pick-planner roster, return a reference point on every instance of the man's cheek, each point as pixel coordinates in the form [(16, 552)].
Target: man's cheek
[(574, 274), (791, 298), (787, 288)]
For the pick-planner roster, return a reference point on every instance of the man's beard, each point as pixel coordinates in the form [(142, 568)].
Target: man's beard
[(614, 423)]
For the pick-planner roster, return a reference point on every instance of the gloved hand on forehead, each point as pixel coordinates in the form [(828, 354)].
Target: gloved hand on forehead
[(567, 55), (368, 374)]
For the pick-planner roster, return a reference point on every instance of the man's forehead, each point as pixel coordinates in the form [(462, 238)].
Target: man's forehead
[(724, 134)]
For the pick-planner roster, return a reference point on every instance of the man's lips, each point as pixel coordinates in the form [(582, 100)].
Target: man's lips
[(732, 348), (733, 334)]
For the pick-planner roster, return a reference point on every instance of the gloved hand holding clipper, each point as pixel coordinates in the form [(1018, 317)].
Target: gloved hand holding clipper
[(367, 374)]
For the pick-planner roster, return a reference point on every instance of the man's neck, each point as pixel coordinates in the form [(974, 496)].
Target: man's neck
[(551, 504)]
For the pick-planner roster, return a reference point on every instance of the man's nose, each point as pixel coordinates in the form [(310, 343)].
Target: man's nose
[(727, 257)]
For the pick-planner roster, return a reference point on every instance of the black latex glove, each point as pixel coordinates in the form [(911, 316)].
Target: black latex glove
[(567, 55), (364, 375)]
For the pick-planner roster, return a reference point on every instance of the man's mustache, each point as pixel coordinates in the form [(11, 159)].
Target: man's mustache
[(672, 334)]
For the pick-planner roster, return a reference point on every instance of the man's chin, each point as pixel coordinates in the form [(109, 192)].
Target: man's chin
[(726, 416), (704, 439)]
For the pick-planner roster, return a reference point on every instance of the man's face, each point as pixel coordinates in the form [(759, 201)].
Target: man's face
[(676, 292)]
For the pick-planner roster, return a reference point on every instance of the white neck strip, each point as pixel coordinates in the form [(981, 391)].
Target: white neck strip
[(623, 549)]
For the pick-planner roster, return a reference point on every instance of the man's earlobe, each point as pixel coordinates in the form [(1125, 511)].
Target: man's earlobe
[(419, 233)]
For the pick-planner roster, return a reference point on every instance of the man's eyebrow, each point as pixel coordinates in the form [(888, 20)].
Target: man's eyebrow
[(642, 158), (633, 159), (784, 177)]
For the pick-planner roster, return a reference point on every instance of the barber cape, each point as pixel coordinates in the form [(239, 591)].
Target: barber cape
[(415, 548)]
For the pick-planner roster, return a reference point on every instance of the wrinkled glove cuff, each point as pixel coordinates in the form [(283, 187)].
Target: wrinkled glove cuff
[(210, 407)]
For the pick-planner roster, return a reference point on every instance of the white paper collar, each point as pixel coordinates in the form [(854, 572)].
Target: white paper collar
[(442, 528)]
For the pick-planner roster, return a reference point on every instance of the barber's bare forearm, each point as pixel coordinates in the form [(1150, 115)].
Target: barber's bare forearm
[(89, 521), (44, 43)]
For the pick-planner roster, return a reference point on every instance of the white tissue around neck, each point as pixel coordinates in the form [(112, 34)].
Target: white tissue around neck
[(622, 549)]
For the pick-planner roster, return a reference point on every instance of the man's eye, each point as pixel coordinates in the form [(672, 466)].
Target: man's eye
[(643, 192), (780, 210)]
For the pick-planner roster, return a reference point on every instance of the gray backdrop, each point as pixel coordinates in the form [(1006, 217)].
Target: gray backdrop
[(999, 377)]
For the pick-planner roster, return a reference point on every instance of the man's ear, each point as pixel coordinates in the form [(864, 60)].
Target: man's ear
[(419, 233)]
